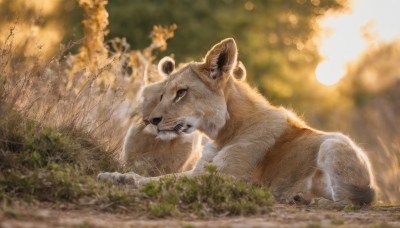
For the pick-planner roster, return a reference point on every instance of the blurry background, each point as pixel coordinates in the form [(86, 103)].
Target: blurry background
[(334, 62)]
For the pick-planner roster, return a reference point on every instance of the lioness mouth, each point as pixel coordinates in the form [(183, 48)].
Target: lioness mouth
[(178, 129)]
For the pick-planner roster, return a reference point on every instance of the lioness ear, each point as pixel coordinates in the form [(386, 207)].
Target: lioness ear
[(221, 58), (240, 72), (166, 66)]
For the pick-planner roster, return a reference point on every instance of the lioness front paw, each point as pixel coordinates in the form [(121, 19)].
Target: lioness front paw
[(116, 178)]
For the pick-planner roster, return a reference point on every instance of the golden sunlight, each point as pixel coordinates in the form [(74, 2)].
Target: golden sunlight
[(45, 7), (30, 36), (344, 37)]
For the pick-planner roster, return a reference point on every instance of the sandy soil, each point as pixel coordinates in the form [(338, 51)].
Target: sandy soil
[(281, 215)]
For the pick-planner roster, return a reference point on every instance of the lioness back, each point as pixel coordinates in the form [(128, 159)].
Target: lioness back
[(290, 165)]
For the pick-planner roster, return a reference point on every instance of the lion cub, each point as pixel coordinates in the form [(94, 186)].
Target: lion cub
[(146, 153)]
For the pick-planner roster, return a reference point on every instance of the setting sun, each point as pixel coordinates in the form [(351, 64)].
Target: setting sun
[(329, 72)]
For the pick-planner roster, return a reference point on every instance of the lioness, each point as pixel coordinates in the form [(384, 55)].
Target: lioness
[(253, 140), (143, 151)]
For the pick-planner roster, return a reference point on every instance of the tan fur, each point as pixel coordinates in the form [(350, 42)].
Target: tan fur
[(146, 153), (254, 140)]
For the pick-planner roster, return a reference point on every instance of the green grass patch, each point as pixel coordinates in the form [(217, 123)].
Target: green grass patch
[(352, 207), (26, 145), (59, 165)]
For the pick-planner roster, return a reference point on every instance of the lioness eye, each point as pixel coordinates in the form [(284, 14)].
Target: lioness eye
[(180, 93), (161, 97)]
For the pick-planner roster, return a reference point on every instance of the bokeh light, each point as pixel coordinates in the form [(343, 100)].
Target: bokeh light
[(344, 37)]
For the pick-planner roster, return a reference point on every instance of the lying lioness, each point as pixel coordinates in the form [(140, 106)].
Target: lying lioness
[(145, 152), (253, 140)]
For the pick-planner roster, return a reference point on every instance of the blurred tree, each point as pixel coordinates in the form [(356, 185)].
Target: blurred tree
[(44, 23), (372, 85), (39, 23), (374, 73), (273, 37)]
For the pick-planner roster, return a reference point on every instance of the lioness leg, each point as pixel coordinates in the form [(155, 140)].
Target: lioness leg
[(136, 179), (345, 172), (208, 154), (240, 160)]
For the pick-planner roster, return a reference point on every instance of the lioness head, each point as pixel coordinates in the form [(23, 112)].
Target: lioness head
[(193, 96)]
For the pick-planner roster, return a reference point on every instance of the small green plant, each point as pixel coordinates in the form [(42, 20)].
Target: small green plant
[(161, 210), (210, 192), (351, 207), (335, 219)]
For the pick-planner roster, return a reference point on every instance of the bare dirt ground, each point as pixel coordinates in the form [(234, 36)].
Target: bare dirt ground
[(281, 215)]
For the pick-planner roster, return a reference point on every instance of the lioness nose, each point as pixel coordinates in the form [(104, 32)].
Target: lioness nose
[(155, 120)]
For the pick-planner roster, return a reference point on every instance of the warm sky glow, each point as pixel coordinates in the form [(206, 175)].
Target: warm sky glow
[(45, 7), (32, 36), (348, 35)]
